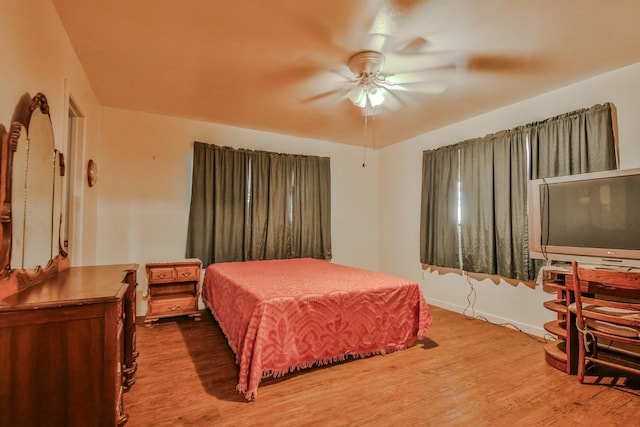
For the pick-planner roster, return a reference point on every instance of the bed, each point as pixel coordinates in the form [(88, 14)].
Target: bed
[(283, 315)]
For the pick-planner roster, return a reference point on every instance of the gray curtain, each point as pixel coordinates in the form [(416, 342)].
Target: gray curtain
[(510, 184), (249, 205), (578, 142), (279, 228), (477, 227), (493, 199), (493, 188), (308, 240), (439, 209), (257, 194)]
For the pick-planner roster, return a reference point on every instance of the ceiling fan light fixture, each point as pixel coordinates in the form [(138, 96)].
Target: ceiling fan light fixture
[(376, 97), (366, 66), (365, 95), (357, 95)]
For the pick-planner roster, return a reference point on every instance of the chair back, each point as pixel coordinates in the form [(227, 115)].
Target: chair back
[(609, 281), (603, 282), (607, 308)]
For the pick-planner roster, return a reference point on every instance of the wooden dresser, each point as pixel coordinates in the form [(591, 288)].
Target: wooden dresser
[(173, 289), (67, 349)]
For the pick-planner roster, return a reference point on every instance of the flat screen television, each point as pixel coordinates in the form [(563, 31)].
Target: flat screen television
[(593, 218)]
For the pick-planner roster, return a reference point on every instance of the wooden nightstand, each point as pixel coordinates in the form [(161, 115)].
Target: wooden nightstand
[(173, 289)]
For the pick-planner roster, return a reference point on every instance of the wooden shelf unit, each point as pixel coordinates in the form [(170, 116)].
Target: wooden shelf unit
[(557, 328), (173, 289), (561, 354)]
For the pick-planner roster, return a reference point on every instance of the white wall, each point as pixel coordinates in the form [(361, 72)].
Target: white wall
[(144, 188), (38, 57), (400, 186)]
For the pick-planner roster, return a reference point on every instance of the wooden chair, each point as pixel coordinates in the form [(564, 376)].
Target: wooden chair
[(606, 313)]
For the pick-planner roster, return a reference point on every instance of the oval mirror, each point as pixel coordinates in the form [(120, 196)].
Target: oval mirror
[(36, 193), (6, 154), (18, 191), (31, 200), (57, 242)]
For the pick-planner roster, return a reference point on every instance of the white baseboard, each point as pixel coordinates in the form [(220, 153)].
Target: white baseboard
[(536, 330)]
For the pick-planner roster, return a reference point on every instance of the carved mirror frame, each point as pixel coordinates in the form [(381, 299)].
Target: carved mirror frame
[(30, 201)]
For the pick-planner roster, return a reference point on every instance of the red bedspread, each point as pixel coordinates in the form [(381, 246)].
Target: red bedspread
[(284, 315)]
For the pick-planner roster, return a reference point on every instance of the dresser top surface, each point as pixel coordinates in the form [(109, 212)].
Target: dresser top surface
[(73, 286)]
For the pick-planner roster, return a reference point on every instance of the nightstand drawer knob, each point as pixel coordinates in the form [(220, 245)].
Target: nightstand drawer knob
[(174, 307)]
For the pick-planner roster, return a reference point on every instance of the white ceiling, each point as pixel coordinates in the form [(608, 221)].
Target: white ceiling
[(268, 64)]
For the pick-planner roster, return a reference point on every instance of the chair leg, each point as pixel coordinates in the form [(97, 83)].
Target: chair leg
[(581, 358)]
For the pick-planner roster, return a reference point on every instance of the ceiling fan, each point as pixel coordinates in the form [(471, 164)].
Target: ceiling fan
[(388, 61), (372, 84), (386, 71)]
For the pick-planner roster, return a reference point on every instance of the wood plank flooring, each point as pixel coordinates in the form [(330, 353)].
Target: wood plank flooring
[(466, 373)]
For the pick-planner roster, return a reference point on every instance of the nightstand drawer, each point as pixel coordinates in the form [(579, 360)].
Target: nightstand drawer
[(187, 273), (175, 306), (161, 274)]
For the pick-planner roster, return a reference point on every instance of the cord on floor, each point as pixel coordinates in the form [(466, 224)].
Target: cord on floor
[(471, 300)]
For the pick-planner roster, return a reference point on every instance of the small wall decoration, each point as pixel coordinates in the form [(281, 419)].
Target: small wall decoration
[(92, 173)]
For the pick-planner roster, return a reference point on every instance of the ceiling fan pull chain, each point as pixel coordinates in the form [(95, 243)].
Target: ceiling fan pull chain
[(374, 128), (364, 144)]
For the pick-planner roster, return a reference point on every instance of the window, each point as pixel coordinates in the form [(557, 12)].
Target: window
[(473, 214), (251, 205)]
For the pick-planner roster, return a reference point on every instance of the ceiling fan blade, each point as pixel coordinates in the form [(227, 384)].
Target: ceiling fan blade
[(323, 32), (420, 75), (392, 102), (433, 87), (498, 63), (336, 75), (400, 63), (399, 99), (324, 78), (390, 44), (331, 96), (413, 46), (378, 42), (361, 16), (374, 21), (390, 13)]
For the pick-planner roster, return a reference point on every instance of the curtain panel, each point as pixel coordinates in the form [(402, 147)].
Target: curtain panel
[(578, 142), (492, 193), (439, 209), (253, 205)]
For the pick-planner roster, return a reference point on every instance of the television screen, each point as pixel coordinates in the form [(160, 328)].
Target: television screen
[(599, 213), (592, 218)]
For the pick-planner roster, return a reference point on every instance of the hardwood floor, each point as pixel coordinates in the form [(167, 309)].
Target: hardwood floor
[(467, 372)]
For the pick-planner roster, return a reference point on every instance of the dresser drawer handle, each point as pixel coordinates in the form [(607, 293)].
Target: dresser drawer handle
[(186, 274), (161, 275), (174, 307)]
